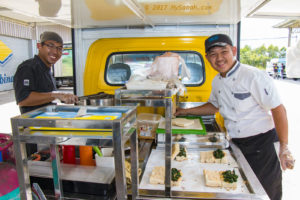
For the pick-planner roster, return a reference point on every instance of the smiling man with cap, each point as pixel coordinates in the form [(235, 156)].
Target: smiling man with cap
[(34, 85), (253, 113), (220, 40)]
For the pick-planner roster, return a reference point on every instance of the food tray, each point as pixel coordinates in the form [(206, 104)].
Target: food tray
[(192, 169), (196, 141), (197, 128)]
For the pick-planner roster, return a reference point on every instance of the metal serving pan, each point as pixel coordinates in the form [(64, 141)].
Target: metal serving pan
[(99, 99)]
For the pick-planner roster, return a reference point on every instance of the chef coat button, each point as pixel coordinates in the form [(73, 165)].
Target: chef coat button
[(219, 91), (233, 79), (232, 108), (232, 93), (239, 131)]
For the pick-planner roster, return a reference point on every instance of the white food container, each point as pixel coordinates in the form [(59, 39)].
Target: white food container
[(107, 160)]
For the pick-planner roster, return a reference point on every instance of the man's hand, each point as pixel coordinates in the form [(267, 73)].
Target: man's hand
[(66, 97), (180, 111), (286, 159), (205, 109)]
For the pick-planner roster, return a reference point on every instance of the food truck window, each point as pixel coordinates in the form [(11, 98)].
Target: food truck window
[(121, 65)]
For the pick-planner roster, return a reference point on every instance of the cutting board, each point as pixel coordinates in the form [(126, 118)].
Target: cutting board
[(197, 128)]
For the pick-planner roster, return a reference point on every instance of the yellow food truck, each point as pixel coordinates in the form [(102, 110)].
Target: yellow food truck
[(113, 41)]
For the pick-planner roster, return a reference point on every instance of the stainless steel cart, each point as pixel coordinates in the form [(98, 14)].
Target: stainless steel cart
[(163, 98), (28, 128)]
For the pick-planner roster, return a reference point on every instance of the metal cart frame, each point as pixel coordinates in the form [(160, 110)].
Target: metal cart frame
[(122, 131)]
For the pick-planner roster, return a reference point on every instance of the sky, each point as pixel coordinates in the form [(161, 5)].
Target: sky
[(258, 31)]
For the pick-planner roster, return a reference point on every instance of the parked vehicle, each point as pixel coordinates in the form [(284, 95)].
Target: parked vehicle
[(293, 61), (276, 67)]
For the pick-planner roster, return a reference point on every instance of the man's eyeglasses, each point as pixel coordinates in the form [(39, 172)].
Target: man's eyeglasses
[(53, 47)]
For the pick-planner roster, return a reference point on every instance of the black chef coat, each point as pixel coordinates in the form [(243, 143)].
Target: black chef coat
[(32, 76)]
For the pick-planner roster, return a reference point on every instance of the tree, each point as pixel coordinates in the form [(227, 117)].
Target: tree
[(259, 57), (282, 52), (273, 51)]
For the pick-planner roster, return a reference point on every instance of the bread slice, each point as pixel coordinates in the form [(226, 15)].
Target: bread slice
[(175, 150), (229, 186), (182, 122), (158, 177), (223, 160), (208, 157), (212, 178), (175, 153)]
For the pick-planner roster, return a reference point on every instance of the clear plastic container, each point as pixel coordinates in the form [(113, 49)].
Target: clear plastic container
[(147, 124)]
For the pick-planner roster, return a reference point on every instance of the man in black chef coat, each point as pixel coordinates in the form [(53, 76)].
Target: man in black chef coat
[(33, 83)]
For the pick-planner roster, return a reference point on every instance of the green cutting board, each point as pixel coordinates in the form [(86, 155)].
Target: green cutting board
[(186, 131)]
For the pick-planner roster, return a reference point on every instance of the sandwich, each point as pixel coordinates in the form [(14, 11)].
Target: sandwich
[(229, 179), (158, 176), (225, 179), (179, 152), (217, 156)]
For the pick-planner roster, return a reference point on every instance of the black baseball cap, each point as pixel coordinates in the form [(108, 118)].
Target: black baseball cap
[(217, 40), (48, 35)]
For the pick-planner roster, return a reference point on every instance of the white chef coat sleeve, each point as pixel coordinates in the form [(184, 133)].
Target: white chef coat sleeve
[(265, 92), (213, 97)]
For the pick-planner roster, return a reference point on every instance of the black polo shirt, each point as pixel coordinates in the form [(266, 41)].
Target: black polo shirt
[(32, 76)]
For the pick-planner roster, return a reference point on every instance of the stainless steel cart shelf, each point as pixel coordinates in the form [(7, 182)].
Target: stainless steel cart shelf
[(88, 132)]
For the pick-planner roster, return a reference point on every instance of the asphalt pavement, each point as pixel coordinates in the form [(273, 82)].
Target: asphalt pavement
[(7, 97), (9, 108)]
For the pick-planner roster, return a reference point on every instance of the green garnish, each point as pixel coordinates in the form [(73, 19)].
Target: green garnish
[(213, 138), (230, 176), (175, 174), (182, 151), (218, 154)]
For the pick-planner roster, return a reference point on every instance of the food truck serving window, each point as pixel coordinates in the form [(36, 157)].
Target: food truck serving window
[(120, 66)]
